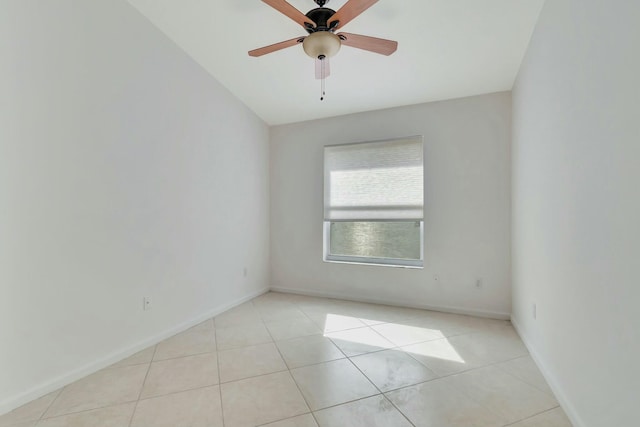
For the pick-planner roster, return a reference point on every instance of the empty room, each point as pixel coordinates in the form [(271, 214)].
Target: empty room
[(225, 213)]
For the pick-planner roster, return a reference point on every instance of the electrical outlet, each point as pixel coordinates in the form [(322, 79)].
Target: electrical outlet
[(436, 278), (245, 271), (147, 303), (478, 283)]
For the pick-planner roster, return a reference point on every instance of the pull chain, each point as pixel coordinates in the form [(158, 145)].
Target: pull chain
[(323, 75), (322, 83)]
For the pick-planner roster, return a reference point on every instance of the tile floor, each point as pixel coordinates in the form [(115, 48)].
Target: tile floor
[(285, 360)]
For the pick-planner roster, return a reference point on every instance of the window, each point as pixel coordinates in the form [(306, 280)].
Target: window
[(373, 202)]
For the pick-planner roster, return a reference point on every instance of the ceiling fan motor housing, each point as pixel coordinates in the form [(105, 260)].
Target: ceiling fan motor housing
[(321, 17)]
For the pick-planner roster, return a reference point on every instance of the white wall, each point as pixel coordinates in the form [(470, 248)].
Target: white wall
[(467, 206), (576, 206), (125, 171)]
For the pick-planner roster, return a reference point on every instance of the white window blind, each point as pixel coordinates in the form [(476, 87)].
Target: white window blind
[(374, 181)]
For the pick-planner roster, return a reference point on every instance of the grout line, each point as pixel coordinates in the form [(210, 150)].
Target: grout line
[(521, 379), (51, 404), (147, 374), (291, 375), (155, 349), (350, 401), (326, 362), (215, 340), (171, 393), (381, 392), (399, 410), (42, 418), (499, 416), (254, 376), (113, 405), (288, 418), (313, 415), (532, 416), (175, 358)]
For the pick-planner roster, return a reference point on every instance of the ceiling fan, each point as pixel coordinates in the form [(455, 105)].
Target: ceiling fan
[(322, 42)]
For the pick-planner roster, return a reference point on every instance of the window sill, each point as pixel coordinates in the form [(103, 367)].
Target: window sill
[(374, 264)]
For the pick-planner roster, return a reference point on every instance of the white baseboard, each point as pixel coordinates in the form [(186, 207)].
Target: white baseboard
[(565, 403), (44, 388), (399, 303)]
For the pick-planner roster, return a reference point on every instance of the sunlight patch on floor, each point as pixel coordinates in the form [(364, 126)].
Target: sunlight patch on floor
[(351, 330)]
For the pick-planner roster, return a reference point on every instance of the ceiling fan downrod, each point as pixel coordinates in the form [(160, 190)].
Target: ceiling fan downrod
[(321, 3)]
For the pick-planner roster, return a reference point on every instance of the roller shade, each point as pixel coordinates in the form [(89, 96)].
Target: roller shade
[(374, 181)]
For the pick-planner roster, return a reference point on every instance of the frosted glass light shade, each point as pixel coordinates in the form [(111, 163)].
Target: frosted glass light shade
[(321, 43)]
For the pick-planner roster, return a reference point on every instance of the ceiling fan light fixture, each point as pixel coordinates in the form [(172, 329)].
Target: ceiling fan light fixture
[(321, 44)]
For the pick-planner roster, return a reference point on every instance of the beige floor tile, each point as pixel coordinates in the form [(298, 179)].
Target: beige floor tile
[(207, 325), (187, 343), (104, 388), (443, 357), (272, 296), (553, 418), (193, 408), (242, 336), (268, 304), (25, 424), (496, 346), (277, 314), (385, 314), (400, 334), (183, 373), (371, 320), (113, 416), (309, 350), (501, 393), (279, 296), (261, 400), (525, 368), (481, 324), (392, 369), (374, 411), (332, 383), (287, 329), (335, 322), (353, 342), (306, 420), (315, 306), (436, 404), (267, 308), (32, 411), (463, 352), (139, 358), (251, 361), (447, 324), (240, 315)]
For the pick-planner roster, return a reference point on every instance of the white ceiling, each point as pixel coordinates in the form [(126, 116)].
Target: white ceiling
[(447, 49)]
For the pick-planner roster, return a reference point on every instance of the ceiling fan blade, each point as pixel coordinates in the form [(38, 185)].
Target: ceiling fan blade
[(277, 46), (372, 44), (350, 10), (283, 7)]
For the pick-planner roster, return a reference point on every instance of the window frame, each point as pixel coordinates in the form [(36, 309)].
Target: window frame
[(376, 261)]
